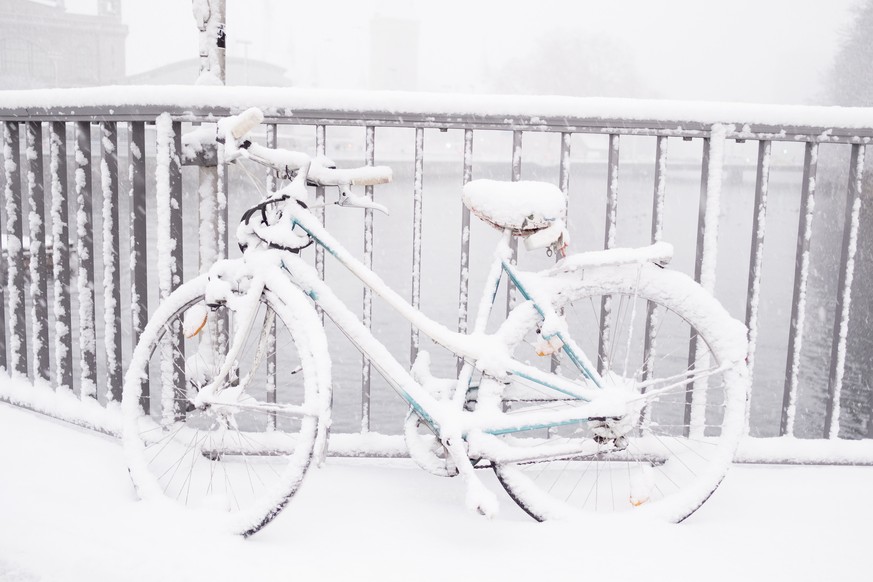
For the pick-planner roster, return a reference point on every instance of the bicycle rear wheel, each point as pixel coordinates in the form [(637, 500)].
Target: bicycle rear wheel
[(657, 330), (240, 458)]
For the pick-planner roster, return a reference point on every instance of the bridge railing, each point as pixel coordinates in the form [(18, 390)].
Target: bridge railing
[(93, 190)]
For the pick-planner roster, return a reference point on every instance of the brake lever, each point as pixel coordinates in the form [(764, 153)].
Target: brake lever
[(347, 199)]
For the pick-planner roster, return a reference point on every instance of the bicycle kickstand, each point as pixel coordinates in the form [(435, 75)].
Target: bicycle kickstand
[(478, 497)]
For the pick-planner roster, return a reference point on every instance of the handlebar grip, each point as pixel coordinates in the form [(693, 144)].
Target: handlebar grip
[(371, 176), (245, 122)]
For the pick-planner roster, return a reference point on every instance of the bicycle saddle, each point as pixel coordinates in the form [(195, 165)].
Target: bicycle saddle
[(525, 207)]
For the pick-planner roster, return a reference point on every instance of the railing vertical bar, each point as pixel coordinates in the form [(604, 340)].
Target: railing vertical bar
[(416, 235), (85, 256), (60, 219), (798, 302), (4, 362), (702, 207), (370, 147), (272, 135), (844, 291), (168, 178), (221, 235), (464, 282), (756, 258), (176, 236), (139, 291), (513, 241), (608, 243), (564, 169), (38, 266), (207, 207), (652, 312), (564, 184), (704, 270), (221, 226), (111, 258), (660, 189), (15, 252), (320, 150), (272, 141)]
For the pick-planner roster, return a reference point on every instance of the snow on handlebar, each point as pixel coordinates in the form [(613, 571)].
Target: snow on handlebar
[(364, 176), (239, 125)]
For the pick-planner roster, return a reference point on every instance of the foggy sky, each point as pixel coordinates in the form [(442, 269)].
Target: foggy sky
[(735, 50)]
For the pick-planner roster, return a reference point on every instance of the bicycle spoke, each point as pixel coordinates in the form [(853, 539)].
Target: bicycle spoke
[(644, 457), (241, 465)]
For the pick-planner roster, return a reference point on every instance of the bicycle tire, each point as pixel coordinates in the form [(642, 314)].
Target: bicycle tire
[(663, 440), (237, 464)]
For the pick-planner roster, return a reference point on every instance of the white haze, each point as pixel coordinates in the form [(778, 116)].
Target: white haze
[(740, 50)]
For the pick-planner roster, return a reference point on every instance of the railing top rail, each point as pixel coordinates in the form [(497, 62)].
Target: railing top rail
[(438, 110)]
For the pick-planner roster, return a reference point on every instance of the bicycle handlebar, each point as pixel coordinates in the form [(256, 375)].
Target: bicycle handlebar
[(318, 173), (235, 129), (240, 125), (363, 176)]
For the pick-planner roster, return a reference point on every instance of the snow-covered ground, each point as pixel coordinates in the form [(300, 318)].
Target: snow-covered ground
[(68, 513)]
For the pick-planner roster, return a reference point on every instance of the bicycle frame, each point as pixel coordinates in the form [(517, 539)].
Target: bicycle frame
[(486, 352)]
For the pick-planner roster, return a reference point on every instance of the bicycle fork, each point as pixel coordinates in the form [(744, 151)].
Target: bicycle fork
[(246, 307)]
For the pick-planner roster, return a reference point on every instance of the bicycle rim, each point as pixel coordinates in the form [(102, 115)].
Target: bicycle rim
[(241, 458), (650, 330)]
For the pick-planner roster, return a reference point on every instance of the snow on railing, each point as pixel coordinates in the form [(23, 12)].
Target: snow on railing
[(142, 127)]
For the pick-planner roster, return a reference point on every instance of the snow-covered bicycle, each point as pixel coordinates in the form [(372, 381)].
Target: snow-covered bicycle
[(240, 374)]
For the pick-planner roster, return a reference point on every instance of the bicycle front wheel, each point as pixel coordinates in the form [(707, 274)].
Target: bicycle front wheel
[(239, 458), (674, 350)]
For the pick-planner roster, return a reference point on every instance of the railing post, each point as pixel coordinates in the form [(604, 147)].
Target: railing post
[(798, 303), (513, 241), (272, 139), (416, 236), (208, 211), (652, 312), (111, 260), (320, 150), (756, 258), (14, 250), (168, 177), (221, 235), (85, 271), (704, 269), (844, 291), (464, 282), (370, 146), (4, 363), (608, 243), (38, 267), (139, 291), (564, 184), (60, 219)]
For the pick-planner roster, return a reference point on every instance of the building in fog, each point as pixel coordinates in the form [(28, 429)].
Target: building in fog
[(43, 45), (394, 53), (240, 71)]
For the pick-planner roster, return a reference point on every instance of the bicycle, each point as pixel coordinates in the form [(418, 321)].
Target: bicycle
[(647, 430)]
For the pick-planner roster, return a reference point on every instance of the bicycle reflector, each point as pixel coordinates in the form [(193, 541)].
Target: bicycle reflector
[(195, 320)]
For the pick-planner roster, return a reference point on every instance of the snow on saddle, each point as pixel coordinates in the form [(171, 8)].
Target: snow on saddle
[(525, 207)]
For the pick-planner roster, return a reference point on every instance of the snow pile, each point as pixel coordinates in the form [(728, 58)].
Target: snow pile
[(662, 113), (68, 490), (62, 404)]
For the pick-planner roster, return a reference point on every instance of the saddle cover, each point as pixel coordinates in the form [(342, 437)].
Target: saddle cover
[(525, 207)]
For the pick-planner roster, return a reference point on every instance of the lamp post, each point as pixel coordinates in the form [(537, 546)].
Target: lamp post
[(209, 16)]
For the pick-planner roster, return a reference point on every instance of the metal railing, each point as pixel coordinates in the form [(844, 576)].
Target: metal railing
[(63, 125)]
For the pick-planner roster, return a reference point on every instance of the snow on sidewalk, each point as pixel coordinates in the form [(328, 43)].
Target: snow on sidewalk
[(68, 512)]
